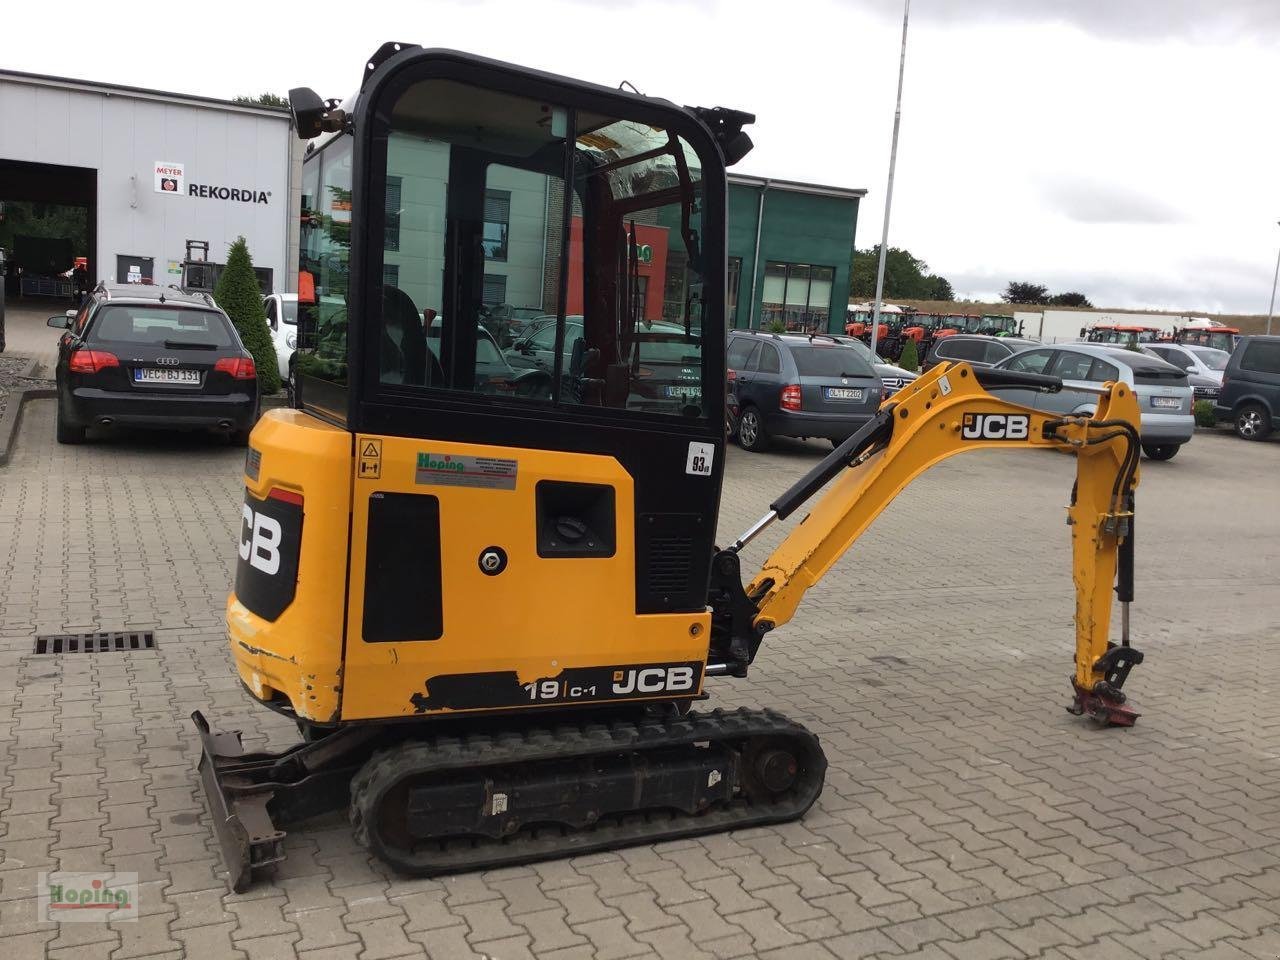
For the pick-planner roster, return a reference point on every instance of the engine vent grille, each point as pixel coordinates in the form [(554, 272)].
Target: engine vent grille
[(670, 560), (55, 644)]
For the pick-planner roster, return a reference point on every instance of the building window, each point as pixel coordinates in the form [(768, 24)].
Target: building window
[(391, 275), (497, 223), (495, 289), (391, 238), (798, 295), (731, 301)]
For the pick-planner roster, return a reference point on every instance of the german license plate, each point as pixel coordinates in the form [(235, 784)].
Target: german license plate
[(691, 393), (1172, 402), (843, 393), (157, 375)]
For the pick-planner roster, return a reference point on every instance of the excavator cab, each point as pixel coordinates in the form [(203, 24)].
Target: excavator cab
[(484, 579)]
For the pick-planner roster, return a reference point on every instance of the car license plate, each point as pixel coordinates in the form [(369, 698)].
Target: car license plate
[(843, 393), (1173, 402), (157, 375), (691, 393)]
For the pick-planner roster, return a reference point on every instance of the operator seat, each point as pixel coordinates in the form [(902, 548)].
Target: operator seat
[(404, 354)]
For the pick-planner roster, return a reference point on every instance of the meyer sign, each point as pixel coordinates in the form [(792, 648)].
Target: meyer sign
[(169, 178)]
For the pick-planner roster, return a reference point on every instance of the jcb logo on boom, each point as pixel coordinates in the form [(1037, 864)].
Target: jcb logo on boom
[(995, 426), (653, 680), (260, 537)]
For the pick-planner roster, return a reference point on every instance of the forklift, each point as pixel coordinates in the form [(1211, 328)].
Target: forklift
[(490, 598)]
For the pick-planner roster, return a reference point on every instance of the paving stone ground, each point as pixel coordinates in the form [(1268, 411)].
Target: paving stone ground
[(966, 815)]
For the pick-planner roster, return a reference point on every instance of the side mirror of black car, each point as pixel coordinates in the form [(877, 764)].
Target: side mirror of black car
[(61, 322)]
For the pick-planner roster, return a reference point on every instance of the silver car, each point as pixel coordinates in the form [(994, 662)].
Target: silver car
[(1204, 365), (1163, 393), (892, 378)]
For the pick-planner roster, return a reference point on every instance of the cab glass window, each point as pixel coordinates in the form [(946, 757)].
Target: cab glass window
[(323, 273), (1031, 361), (995, 352), (592, 220), (1261, 356), (1072, 366), (173, 328), (739, 351), (1101, 372), (770, 361), (82, 316)]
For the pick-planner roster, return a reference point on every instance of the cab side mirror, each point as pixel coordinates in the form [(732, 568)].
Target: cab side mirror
[(59, 322)]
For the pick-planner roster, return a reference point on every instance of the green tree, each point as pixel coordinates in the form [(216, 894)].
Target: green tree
[(940, 288), (910, 356), (905, 277), (1069, 299), (265, 100), (1017, 292), (240, 296)]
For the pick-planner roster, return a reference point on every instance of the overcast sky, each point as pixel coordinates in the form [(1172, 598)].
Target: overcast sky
[(1129, 149)]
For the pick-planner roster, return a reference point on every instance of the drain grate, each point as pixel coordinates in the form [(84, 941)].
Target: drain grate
[(52, 644)]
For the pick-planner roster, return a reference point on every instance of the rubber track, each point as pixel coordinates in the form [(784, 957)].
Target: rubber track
[(536, 744)]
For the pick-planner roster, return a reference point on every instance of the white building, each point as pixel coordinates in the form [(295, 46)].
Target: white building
[(154, 170)]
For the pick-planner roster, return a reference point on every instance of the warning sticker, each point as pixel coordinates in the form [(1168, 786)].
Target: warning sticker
[(370, 458), (448, 470)]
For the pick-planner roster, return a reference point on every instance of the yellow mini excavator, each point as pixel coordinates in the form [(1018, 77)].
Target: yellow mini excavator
[(477, 562)]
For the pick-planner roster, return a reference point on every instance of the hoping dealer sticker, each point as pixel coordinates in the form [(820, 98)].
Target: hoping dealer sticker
[(449, 470)]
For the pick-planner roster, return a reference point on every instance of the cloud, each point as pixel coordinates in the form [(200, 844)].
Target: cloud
[(1136, 20), (1090, 201)]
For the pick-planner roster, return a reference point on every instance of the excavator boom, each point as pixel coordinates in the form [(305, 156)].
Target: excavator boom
[(946, 412)]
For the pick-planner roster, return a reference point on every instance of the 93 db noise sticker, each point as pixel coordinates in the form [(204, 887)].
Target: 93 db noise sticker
[(701, 457)]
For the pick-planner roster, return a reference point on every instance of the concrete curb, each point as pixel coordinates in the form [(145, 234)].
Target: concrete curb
[(29, 371), (12, 418)]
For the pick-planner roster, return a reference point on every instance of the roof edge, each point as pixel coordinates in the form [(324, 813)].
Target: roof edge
[(141, 93), (798, 186)]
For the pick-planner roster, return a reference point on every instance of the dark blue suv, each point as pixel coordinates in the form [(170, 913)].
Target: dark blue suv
[(1250, 397), (794, 385)]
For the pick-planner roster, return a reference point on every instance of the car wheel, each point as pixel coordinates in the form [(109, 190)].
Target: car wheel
[(751, 432), (1160, 451), (1252, 422), (68, 432)]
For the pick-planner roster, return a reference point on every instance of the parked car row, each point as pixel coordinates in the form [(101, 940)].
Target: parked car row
[(827, 387)]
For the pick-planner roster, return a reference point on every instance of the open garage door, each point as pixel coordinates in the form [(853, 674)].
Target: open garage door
[(49, 221)]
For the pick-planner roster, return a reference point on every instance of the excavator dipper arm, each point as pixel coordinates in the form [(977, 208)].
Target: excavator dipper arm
[(952, 409)]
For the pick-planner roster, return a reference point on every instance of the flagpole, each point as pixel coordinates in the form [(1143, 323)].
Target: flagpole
[(888, 193)]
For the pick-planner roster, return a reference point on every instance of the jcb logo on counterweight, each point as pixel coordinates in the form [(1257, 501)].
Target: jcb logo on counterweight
[(995, 426), (653, 680), (270, 544), (260, 541)]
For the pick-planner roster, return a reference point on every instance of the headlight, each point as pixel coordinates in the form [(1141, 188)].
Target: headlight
[(290, 340)]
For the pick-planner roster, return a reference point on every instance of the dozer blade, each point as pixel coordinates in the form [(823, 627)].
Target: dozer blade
[(252, 795), (245, 832)]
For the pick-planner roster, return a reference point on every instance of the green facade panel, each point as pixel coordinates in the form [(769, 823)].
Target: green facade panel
[(798, 228)]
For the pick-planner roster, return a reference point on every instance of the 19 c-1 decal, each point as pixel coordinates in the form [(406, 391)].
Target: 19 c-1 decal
[(645, 681)]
